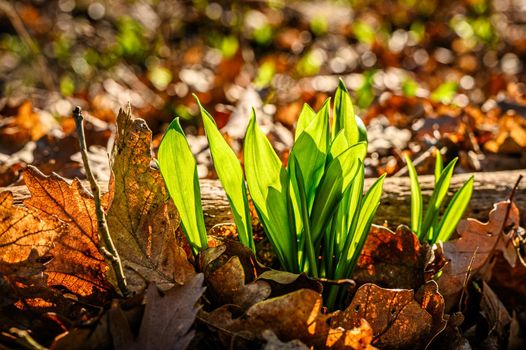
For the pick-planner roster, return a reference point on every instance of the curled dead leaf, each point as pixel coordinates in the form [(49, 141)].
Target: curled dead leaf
[(143, 223)]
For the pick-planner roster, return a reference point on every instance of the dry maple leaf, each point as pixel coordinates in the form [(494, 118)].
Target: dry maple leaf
[(21, 231), (77, 263), (398, 320), (471, 252), (141, 221), (166, 321)]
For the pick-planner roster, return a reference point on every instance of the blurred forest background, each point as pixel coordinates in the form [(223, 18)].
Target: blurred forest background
[(424, 74)]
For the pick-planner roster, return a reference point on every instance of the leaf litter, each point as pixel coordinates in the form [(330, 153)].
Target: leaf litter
[(50, 248)]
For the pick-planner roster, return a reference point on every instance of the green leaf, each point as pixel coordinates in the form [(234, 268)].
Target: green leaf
[(310, 150), (231, 175), (179, 171), (338, 176), (345, 119), (356, 239), (267, 182), (439, 165), (454, 211), (439, 193), (313, 266), (307, 115), (445, 92), (416, 198)]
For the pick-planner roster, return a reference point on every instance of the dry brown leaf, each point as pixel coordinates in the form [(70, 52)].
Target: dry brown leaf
[(21, 231), (235, 277), (24, 127), (295, 315), (471, 252), (166, 321), (77, 263), (142, 222), (228, 282), (392, 259), (397, 319)]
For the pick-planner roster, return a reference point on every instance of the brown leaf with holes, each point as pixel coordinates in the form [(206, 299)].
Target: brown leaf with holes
[(77, 263), (398, 320), (471, 252), (21, 231), (144, 225), (392, 259)]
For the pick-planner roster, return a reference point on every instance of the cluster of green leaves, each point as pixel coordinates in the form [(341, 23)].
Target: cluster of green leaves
[(313, 211), (429, 227)]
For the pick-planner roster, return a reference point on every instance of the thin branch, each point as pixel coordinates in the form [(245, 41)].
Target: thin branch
[(108, 249)]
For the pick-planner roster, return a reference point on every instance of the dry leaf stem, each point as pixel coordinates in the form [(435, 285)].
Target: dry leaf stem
[(108, 249)]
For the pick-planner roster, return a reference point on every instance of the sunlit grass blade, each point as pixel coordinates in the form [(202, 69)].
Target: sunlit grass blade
[(179, 171), (439, 193), (307, 115), (313, 265), (230, 174), (267, 182), (454, 211), (416, 198), (439, 165)]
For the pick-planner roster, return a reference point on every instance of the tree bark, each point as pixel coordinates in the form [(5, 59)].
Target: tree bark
[(395, 209)]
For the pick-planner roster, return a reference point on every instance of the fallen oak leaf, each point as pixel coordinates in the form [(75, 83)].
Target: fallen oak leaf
[(144, 225), (166, 321), (77, 263), (470, 254)]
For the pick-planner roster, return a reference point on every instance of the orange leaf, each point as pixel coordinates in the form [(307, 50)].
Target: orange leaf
[(77, 263)]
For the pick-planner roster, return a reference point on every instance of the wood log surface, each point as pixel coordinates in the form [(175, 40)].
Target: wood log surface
[(395, 209)]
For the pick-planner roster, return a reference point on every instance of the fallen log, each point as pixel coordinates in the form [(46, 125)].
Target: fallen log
[(490, 187)]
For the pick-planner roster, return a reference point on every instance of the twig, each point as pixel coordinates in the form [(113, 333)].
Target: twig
[(466, 279), (506, 216), (108, 249)]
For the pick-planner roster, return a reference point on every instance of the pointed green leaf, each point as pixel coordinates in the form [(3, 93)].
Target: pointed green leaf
[(416, 198), (267, 182), (345, 119), (179, 171), (230, 173), (356, 240), (307, 115), (437, 197), (310, 150), (454, 211), (439, 165), (337, 178), (309, 248)]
